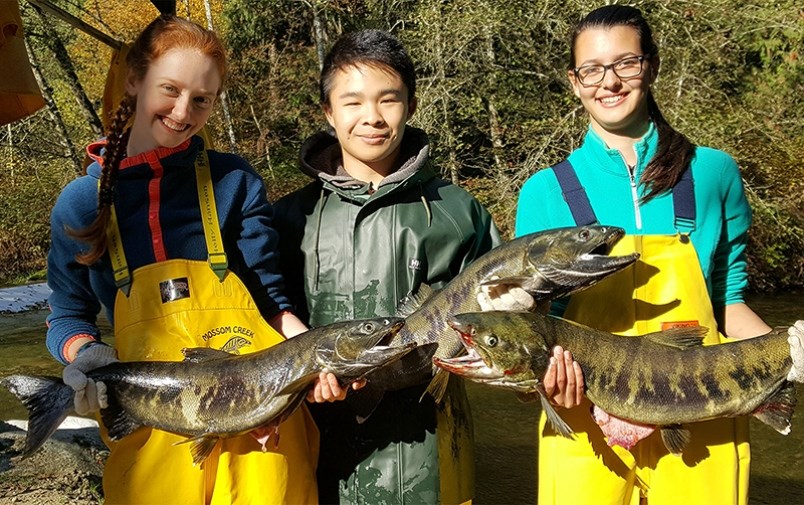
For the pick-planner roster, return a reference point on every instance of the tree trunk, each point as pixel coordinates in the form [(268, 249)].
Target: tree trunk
[(47, 94), (63, 59), (494, 118), (441, 79), (318, 28), (224, 101)]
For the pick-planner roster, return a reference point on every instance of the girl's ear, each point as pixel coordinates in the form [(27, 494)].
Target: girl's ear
[(131, 84), (654, 68), (576, 86)]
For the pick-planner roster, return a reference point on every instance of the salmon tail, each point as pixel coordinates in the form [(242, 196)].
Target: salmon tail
[(778, 409), (48, 401)]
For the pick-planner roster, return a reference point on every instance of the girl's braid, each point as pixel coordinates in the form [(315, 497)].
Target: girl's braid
[(116, 142)]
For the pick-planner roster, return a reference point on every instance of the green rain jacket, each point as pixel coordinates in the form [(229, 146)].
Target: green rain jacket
[(349, 251)]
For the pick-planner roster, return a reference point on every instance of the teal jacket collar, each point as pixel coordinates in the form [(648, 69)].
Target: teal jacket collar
[(612, 161)]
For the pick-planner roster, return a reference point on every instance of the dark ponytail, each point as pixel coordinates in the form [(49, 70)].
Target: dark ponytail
[(675, 151), (672, 157)]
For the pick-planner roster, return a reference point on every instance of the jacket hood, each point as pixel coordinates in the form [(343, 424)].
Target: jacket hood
[(320, 158)]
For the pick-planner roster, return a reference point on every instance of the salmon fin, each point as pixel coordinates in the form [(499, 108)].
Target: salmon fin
[(364, 401), (507, 281), (438, 385), (118, 422), (412, 302), (200, 447), (201, 354), (300, 384), (561, 426), (778, 409), (675, 438), (680, 338), (48, 401), (527, 397)]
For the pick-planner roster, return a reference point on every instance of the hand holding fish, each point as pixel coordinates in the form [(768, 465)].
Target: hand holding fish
[(328, 389), (90, 395), (796, 335), (563, 381), (503, 297)]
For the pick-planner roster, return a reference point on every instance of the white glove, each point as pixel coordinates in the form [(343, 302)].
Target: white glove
[(504, 297), (90, 396), (796, 341)]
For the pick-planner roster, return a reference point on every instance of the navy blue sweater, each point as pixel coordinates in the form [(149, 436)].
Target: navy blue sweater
[(157, 207)]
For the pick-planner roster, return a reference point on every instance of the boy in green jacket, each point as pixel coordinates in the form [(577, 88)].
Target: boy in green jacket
[(375, 224)]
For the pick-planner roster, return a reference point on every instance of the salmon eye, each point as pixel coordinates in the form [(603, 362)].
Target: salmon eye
[(491, 341), (369, 327), (584, 234)]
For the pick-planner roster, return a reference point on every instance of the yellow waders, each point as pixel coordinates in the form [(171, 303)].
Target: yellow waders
[(181, 303), (665, 288), (456, 454)]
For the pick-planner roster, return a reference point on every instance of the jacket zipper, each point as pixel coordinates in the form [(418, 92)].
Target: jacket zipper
[(634, 195)]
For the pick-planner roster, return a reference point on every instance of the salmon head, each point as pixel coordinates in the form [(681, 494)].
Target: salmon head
[(500, 351)]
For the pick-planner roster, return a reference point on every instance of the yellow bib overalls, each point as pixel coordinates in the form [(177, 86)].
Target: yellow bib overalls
[(182, 303), (665, 288)]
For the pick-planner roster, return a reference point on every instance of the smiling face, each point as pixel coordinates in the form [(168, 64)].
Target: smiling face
[(616, 106), (368, 108), (174, 99)]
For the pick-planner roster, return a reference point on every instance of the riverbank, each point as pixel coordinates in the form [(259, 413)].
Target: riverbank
[(23, 298), (66, 470)]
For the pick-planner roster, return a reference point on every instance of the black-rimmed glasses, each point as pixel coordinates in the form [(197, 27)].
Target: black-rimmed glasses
[(625, 68)]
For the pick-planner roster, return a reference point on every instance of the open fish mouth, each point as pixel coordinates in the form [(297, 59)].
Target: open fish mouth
[(390, 334), (592, 264), (600, 263), (385, 354), (599, 260), (469, 365)]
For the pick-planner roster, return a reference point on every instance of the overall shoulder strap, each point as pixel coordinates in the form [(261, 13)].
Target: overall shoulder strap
[(218, 260), (684, 202), (209, 216), (574, 194), (114, 244)]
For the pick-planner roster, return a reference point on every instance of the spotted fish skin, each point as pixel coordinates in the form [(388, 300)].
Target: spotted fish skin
[(548, 264), (663, 379), (213, 394)]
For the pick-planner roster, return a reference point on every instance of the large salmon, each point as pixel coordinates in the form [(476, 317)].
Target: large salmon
[(548, 264), (213, 394), (662, 379)]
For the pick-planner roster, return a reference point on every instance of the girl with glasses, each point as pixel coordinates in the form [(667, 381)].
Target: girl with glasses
[(684, 210)]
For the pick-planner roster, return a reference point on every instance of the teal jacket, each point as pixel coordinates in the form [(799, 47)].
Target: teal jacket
[(349, 251), (723, 213)]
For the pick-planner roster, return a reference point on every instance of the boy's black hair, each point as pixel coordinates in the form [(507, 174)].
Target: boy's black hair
[(371, 48)]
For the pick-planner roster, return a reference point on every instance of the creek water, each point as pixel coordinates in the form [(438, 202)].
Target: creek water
[(505, 429)]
